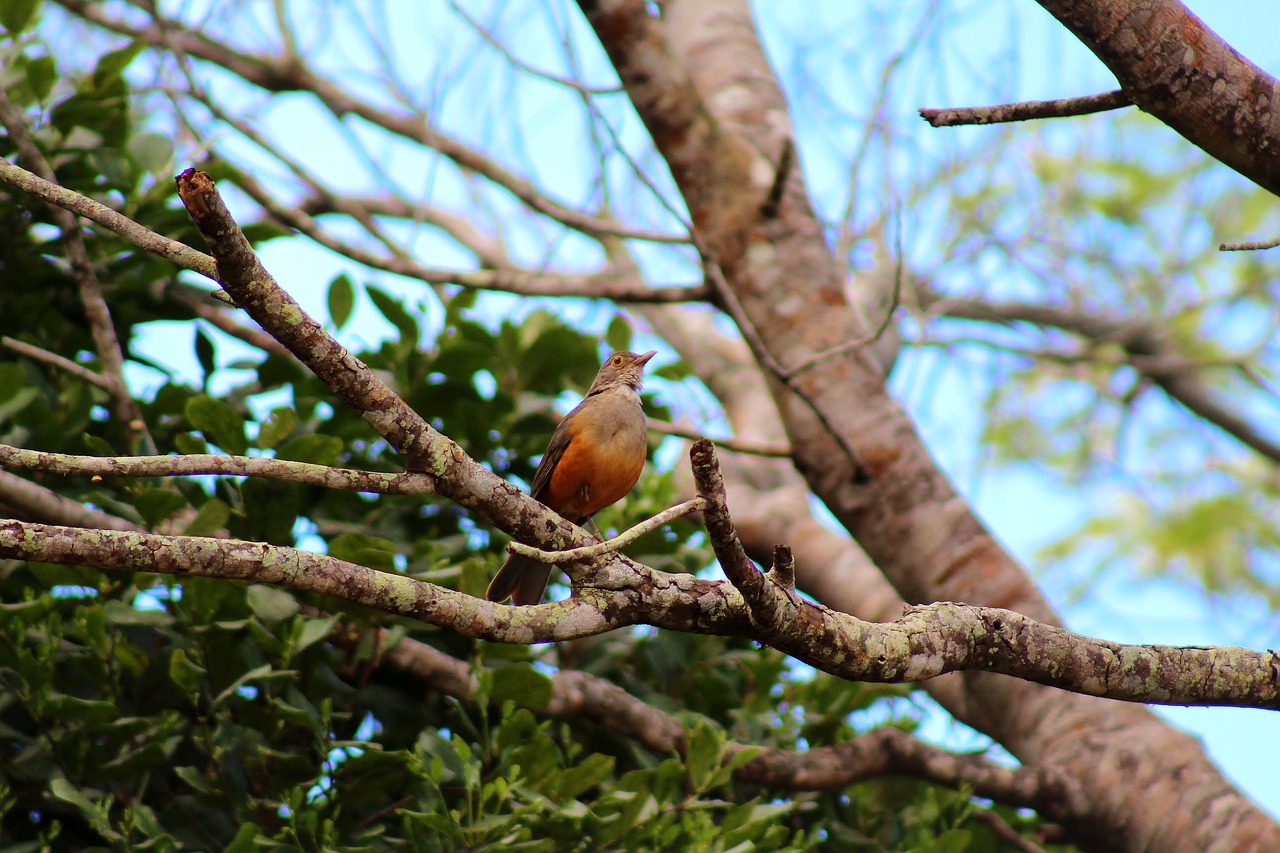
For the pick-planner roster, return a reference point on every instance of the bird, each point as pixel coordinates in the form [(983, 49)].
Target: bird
[(594, 459)]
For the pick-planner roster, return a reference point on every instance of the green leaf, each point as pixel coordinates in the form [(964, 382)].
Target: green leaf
[(703, 758), (391, 308), (258, 673), (119, 613), (618, 333), (67, 708), (219, 422), (317, 449), (278, 426), (153, 151), (523, 685), (571, 783), (271, 507), (951, 841), (270, 604), (184, 672), (308, 632), (42, 73), (17, 15), (365, 550), (190, 444), (211, 518), (342, 299), (155, 505), (206, 354), (113, 64)]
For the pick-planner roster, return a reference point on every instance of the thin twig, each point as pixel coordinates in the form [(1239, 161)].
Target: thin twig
[(729, 299), (865, 340), (198, 464), (617, 543), (1026, 110), (737, 445), (54, 360), (602, 285), (567, 82), (1249, 246), (275, 73)]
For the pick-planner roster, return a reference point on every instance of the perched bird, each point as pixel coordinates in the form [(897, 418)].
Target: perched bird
[(594, 459)]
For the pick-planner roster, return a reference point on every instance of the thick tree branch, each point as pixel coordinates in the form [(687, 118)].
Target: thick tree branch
[(1175, 68), (926, 642)]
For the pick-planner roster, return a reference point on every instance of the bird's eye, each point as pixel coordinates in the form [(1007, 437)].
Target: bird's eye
[(617, 361)]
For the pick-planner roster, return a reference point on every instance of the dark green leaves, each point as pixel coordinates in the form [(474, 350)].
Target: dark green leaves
[(219, 422)]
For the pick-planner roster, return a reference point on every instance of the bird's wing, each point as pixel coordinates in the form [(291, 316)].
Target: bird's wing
[(560, 440)]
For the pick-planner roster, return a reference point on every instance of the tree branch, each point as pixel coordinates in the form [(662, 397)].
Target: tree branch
[(35, 501), (52, 359), (1146, 346), (290, 74), (926, 642), (302, 473), (609, 546), (141, 236), (1027, 110), (881, 752), (1177, 69)]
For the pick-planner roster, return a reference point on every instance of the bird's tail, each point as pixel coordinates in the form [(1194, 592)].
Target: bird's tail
[(521, 579)]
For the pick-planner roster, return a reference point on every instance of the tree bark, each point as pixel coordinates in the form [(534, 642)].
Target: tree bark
[(1172, 66), (701, 83)]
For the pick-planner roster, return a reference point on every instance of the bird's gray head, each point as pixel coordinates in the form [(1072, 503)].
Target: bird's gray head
[(621, 370)]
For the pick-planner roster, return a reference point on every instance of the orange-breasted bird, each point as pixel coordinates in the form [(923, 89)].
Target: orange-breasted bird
[(593, 461)]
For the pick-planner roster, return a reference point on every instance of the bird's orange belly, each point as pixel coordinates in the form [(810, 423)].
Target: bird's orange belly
[(586, 482)]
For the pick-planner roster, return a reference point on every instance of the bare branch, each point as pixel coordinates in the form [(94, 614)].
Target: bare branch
[(1249, 246), (925, 642), (751, 448), (142, 237), (35, 501), (617, 543), (603, 285), (302, 473), (1146, 345), (290, 74), (52, 359), (1027, 110)]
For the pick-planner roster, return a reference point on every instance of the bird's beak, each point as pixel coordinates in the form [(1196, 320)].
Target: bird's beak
[(642, 360)]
